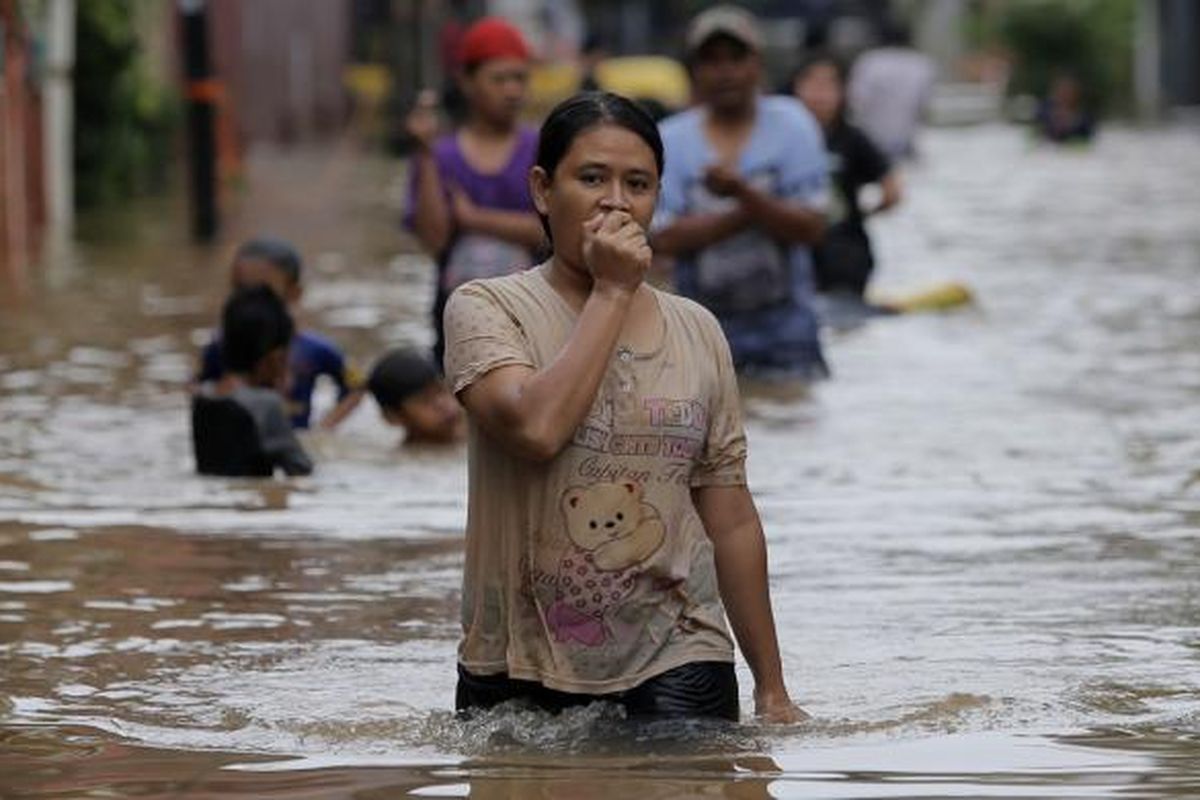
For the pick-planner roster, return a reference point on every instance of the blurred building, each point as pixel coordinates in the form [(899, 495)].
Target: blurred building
[(1174, 36), (282, 64)]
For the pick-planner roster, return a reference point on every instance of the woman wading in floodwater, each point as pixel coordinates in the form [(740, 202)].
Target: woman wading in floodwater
[(608, 516)]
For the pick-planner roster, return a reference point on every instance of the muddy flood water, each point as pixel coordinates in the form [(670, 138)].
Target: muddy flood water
[(984, 532)]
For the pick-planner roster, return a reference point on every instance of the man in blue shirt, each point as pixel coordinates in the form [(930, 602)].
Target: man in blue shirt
[(742, 201)]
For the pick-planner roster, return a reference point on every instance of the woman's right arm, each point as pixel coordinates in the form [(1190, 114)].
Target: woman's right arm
[(431, 216), (534, 413)]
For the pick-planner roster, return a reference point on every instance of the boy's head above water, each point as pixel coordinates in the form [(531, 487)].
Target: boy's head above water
[(410, 394), (255, 331), (268, 262)]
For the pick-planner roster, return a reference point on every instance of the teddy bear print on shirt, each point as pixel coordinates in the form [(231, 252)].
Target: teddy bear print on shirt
[(612, 532)]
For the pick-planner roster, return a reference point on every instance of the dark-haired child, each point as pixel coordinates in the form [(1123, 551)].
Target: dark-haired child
[(276, 264), (239, 426), (411, 395)]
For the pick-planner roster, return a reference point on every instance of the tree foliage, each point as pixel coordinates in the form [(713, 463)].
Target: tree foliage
[(1089, 39), (124, 117)]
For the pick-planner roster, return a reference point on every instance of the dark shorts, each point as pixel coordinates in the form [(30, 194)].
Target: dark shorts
[(843, 261), (699, 689)]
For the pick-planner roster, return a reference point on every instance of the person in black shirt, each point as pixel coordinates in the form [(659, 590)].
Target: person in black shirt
[(843, 260), (239, 425)]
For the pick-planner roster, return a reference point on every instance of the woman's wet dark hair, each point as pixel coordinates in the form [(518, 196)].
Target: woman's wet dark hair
[(583, 112)]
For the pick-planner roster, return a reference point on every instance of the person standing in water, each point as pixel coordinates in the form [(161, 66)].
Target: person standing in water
[(468, 194), (609, 526), (890, 89), (843, 260), (743, 199)]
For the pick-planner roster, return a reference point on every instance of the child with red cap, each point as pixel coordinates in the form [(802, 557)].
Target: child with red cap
[(469, 198)]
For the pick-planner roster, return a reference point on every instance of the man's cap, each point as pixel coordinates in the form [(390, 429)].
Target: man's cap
[(724, 20), (398, 375), (489, 38)]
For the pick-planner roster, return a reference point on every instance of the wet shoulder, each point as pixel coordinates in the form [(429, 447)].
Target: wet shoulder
[(316, 346), (525, 296), (679, 127), (445, 147), (261, 403), (527, 142), (787, 116)]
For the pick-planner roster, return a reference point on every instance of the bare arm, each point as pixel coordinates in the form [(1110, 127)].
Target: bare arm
[(534, 413), (519, 227), (693, 232), (432, 222), (740, 551), (342, 410), (785, 220), (890, 185)]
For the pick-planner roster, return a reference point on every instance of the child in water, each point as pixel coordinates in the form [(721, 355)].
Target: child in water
[(412, 396), (274, 263), (239, 426)]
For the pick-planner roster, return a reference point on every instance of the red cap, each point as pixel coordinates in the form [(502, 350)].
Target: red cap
[(491, 37)]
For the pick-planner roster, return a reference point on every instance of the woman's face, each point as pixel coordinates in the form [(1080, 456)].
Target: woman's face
[(820, 89), (496, 89), (606, 168)]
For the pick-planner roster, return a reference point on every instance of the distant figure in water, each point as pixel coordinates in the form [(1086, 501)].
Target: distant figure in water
[(239, 425), (889, 91), (609, 526), (411, 395), (276, 264), (1063, 116), (843, 260)]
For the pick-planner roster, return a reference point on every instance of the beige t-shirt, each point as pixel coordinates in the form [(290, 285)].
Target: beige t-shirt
[(592, 572)]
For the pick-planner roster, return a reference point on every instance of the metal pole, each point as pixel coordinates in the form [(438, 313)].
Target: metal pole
[(201, 92), (57, 115), (1147, 60)]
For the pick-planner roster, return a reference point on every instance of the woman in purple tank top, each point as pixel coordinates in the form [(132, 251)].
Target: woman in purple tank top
[(469, 198)]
